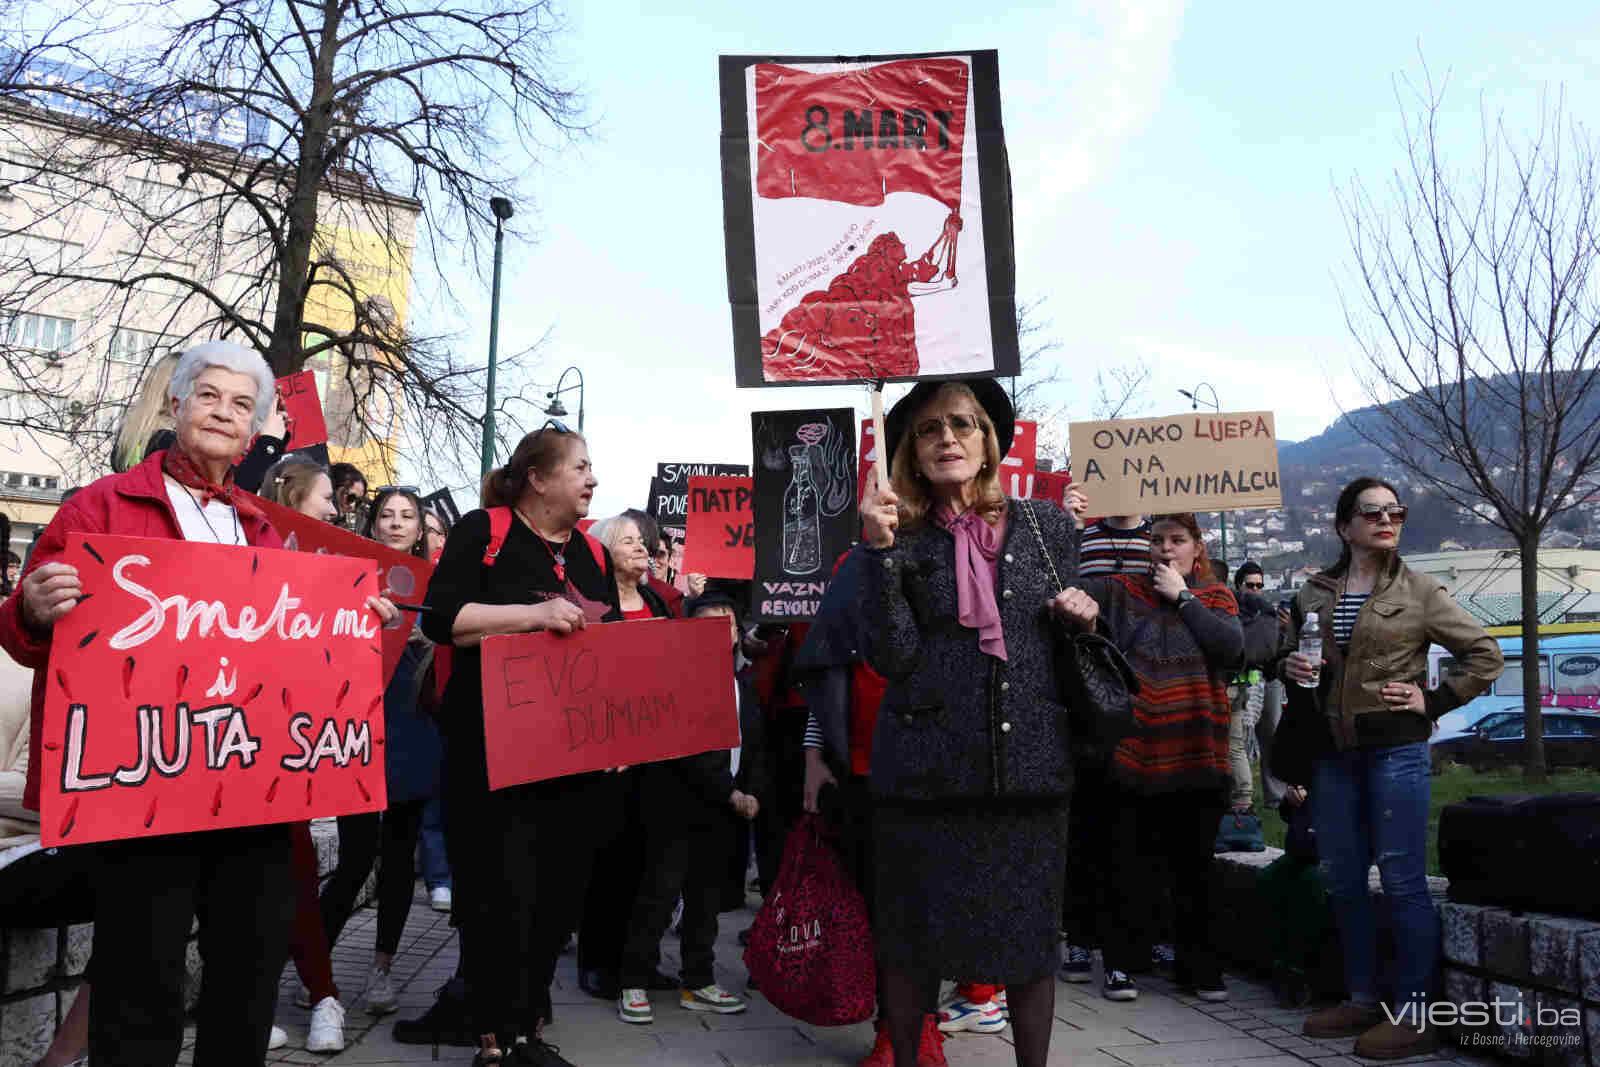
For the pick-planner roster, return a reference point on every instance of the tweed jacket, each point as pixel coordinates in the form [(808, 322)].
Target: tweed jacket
[(957, 723)]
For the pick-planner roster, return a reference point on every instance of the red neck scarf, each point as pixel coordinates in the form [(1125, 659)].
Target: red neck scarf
[(177, 465)]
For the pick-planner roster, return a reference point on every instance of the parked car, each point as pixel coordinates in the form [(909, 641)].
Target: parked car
[(1571, 739), (1493, 718)]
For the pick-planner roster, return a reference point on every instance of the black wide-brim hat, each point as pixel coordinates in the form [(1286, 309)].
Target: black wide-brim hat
[(991, 397)]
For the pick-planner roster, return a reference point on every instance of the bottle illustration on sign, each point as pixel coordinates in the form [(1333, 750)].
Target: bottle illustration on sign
[(802, 518)]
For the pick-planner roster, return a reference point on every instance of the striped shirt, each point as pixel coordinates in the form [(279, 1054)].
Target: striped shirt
[(1344, 616), (1107, 549)]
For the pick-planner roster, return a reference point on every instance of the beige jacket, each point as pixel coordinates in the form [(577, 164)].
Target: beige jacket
[(1405, 614), (18, 826)]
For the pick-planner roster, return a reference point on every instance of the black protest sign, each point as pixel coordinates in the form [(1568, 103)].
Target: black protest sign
[(441, 503), (669, 489), (805, 496), (856, 193)]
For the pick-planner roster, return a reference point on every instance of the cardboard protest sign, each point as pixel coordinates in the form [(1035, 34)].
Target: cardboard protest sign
[(405, 578), (805, 507), (303, 407), (669, 489), (720, 541), (606, 696), (1022, 457), (1189, 462), (200, 687), (856, 194)]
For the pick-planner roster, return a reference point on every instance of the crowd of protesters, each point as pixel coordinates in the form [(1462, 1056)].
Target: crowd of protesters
[(925, 712)]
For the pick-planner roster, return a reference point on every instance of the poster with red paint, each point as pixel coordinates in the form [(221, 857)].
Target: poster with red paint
[(721, 537), (201, 687), (867, 212), (404, 579), (607, 696), (304, 410), (1022, 458)]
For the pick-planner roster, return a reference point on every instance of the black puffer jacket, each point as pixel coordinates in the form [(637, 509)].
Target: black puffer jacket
[(957, 723)]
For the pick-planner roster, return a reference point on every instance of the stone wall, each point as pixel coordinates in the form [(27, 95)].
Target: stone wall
[(42, 970), (1531, 964)]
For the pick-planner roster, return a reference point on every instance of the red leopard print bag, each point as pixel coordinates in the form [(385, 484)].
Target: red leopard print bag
[(810, 950)]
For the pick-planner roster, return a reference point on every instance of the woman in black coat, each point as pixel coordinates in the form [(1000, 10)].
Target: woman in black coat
[(970, 764)]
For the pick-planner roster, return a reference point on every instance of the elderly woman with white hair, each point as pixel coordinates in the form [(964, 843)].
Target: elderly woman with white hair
[(236, 881)]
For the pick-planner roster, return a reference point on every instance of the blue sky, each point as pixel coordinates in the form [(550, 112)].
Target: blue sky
[(1174, 173)]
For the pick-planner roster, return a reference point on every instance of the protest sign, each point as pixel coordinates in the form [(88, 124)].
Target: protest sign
[(1189, 462), (720, 539), (1036, 485), (303, 407), (606, 696), (856, 193), (669, 489), (200, 687), (805, 507), (441, 503), (401, 577)]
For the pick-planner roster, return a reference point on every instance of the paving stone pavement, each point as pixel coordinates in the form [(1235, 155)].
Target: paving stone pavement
[(1162, 1028)]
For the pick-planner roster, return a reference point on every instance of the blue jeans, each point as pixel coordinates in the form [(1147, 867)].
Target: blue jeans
[(1371, 805), (434, 864)]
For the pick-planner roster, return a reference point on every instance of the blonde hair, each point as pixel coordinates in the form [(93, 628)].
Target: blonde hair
[(290, 479), (912, 487), (149, 413)]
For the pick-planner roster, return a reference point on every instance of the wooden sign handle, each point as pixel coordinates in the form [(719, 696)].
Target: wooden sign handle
[(880, 442)]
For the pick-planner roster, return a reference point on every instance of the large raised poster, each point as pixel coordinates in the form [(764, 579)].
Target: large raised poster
[(867, 209)]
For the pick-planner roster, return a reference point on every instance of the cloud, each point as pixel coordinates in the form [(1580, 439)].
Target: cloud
[(1103, 80)]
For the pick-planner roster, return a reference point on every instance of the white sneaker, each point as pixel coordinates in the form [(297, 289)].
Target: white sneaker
[(633, 1006), (712, 998), (380, 997), (439, 898), (278, 1038), (327, 1027), (962, 1015)]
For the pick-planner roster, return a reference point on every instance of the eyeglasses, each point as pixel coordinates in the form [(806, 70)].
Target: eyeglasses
[(557, 425), (960, 425), (385, 490), (1372, 512), (1255, 585)]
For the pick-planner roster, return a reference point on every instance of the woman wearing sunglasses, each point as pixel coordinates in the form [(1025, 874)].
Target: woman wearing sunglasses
[(1370, 782)]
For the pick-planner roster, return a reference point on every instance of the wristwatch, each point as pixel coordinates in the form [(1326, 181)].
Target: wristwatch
[(1184, 596)]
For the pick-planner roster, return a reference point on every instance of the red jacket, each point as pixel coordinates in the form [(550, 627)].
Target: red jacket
[(132, 504), (670, 594)]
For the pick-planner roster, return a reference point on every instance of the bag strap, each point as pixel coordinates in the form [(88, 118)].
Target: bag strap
[(499, 530), (1033, 521)]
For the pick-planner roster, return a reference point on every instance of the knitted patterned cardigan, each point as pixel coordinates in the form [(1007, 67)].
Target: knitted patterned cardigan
[(1183, 657)]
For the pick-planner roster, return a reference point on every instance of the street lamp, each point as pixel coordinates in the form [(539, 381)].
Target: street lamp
[(557, 410), (1216, 405), (501, 207)]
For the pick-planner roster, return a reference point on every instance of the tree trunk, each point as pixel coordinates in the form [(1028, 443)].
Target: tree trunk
[(285, 351), (1532, 689)]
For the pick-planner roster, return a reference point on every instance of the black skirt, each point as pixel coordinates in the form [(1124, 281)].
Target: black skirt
[(969, 892)]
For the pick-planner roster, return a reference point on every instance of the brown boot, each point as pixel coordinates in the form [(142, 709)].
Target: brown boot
[(1342, 1020), (1386, 1041)]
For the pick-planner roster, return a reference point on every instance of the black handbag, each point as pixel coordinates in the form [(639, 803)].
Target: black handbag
[(1097, 684)]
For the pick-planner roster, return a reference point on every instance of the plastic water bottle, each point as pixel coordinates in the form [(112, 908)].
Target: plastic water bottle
[(1311, 647)]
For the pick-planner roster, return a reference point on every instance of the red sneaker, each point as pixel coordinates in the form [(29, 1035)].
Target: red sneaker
[(930, 1048), (882, 1054)]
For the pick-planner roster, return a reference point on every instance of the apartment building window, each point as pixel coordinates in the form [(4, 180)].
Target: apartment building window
[(132, 346), (44, 332)]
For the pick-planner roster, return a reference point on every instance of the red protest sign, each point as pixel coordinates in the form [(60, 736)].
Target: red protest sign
[(200, 687), (403, 578), (304, 408), (721, 537), (610, 695), (1036, 485)]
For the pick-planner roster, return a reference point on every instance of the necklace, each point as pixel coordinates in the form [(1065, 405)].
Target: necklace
[(237, 530), (557, 557)]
